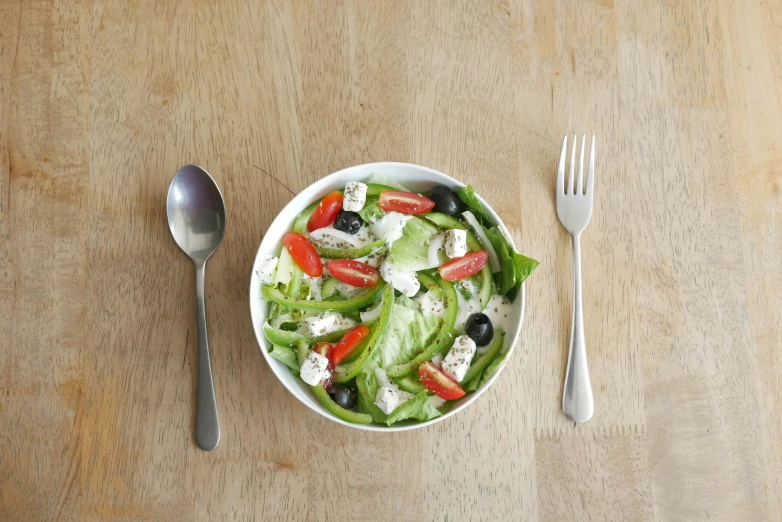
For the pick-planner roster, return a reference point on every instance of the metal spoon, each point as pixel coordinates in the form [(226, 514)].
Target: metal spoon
[(196, 217)]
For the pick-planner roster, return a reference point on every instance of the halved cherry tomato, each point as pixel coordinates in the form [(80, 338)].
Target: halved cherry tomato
[(404, 202), (303, 253), (326, 212), (327, 351), (354, 273), (462, 267), (349, 342), (439, 383)]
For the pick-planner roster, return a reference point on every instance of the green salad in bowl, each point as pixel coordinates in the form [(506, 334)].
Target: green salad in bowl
[(390, 303)]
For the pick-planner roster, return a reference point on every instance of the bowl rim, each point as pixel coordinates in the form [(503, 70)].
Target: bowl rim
[(277, 367)]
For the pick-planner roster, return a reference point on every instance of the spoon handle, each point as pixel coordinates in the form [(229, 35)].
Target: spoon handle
[(207, 423)]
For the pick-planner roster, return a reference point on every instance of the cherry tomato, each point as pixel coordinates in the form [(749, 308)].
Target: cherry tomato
[(349, 342), (404, 202), (354, 273), (462, 267), (326, 212), (303, 253), (327, 351), (439, 383)]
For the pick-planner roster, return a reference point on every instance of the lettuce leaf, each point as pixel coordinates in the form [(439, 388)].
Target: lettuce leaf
[(468, 197), (505, 279), (524, 266), (418, 408), (407, 333), (382, 179), (410, 253)]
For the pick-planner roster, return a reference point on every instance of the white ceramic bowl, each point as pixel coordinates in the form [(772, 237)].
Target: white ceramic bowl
[(413, 177)]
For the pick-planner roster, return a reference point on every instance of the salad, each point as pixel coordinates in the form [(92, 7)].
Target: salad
[(391, 304)]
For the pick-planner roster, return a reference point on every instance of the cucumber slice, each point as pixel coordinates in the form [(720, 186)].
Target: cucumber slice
[(374, 189), (284, 268), (410, 384), (445, 221), (349, 253), (329, 288), (300, 224), (480, 364)]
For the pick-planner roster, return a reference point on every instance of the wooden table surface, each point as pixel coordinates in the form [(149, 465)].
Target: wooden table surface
[(101, 102)]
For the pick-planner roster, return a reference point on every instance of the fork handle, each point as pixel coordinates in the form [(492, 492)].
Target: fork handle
[(577, 402)]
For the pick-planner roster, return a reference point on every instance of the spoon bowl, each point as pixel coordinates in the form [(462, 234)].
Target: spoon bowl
[(196, 218), (196, 212)]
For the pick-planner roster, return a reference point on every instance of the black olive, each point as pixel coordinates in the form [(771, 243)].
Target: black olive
[(479, 329), (344, 396), (348, 221), (446, 201)]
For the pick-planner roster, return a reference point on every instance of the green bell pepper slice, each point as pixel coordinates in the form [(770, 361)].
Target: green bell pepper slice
[(444, 338), (483, 361), (270, 293), (349, 253), (337, 410), (349, 371), (292, 339)]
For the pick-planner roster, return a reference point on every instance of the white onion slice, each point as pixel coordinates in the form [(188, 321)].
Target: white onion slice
[(435, 245), (371, 315), (494, 261), (338, 234)]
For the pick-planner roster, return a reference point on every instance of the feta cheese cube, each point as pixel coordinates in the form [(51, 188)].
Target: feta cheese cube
[(387, 400), (458, 360), (355, 196), (389, 227), (433, 305), (455, 243), (328, 322), (314, 368), (266, 268), (437, 360), (405, 282)]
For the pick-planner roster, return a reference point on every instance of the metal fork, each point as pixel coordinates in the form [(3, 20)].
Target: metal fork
[(574, 208)]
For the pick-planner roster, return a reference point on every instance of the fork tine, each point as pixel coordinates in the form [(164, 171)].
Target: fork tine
[(590, 181), (572, 176), (561, 171), (580, 180)]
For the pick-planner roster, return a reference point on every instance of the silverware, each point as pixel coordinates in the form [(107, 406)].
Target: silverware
[(196, 217), (574, 208)]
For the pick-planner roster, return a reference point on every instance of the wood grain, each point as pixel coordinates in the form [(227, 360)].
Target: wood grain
[(101, 102)]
